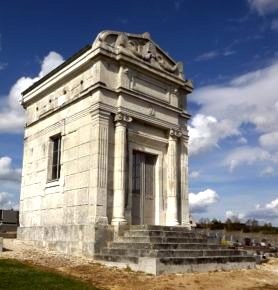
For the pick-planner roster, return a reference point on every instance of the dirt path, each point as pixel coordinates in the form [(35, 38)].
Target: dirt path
[(265, 277)]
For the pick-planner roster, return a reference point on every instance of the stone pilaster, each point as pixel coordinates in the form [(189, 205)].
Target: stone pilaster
[(99, 167), (184, 181), (121, 121), (172, 179)]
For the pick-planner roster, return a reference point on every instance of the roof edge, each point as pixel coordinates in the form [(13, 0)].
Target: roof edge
[(58, 68)]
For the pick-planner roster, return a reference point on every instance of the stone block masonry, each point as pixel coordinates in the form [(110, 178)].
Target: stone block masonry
[(105, 145)]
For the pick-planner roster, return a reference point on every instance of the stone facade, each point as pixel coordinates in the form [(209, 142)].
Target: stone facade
[(120, 99)]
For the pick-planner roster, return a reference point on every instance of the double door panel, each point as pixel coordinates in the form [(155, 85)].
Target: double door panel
[(143, 188)]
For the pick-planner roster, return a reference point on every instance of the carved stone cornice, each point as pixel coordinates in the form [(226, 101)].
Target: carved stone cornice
[(122, 118)]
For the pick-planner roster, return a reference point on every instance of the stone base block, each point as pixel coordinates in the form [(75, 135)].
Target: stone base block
[(155, 267), (85, 240)]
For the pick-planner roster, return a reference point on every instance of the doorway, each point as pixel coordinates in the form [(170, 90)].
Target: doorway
[(143, 188)]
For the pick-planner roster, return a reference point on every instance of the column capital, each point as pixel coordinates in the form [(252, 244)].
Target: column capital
[(185, 137), (175, 133), (122, 118)]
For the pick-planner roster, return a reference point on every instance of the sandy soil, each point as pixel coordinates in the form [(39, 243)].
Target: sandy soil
[(265, 277)]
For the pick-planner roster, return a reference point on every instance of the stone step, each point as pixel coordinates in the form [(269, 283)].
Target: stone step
[(161, 249), (178, 261), (148, 239), (116, 258), (201, 260), (170, 253), (144, 245), (160, 228), (157, 233)]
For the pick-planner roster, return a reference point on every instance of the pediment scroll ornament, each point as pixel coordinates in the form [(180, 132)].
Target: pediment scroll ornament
[(143, 47)]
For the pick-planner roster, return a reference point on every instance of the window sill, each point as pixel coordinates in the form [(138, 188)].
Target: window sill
[(53, 183)]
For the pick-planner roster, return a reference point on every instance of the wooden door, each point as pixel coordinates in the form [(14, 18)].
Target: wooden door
[(143, 188)]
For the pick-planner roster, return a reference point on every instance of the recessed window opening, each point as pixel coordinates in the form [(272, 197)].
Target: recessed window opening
[(56, 157)]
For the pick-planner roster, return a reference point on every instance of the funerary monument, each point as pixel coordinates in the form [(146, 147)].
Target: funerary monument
[(105, 146)]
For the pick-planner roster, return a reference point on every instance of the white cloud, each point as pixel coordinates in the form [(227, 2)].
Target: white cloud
[(6, 201), (207, 55), (269, 141), (7, 172), (246, 155), (51, 61), (213, 54), (263, 7), (206, 131), (274, 24), (268, 171), (250, 98), (3, 65), (267, 212), (199, 202), (194, 174), (228, 52), (233, 217), (12, 114), (263, 213), (242, 141)]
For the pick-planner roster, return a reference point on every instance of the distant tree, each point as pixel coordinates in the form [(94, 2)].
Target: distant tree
[(203, 223), (216, 224)]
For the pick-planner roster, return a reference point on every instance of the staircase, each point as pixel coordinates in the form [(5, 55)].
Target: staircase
[(160, 249)]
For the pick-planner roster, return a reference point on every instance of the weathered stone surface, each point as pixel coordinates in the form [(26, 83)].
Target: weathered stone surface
[(1, 244), (120, 95), (160, 250)]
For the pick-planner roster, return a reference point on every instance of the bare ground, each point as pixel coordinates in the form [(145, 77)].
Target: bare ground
[(265, 277)]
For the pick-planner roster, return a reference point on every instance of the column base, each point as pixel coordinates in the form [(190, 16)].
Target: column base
[(186, 225), (118, 221), (172, 223)]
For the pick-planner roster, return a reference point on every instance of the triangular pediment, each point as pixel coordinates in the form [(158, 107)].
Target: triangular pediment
[(140, 46)]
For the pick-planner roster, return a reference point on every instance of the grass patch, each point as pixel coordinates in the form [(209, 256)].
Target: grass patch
[(16, 275)]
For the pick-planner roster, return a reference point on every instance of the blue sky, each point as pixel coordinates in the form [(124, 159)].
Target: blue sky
[(229, 50)]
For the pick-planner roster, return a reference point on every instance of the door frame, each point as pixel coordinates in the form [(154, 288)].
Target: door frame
[(158, 179)]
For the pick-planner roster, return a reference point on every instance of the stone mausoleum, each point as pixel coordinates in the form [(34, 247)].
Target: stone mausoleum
[(105, 146)]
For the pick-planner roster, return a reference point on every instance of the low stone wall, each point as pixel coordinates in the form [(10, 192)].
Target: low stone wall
[(240, 236), (9, 235), (8, 228)]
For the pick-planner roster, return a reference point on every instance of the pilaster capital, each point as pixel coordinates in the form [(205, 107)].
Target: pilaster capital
[(175, 133), (122, 118), (185, 136)]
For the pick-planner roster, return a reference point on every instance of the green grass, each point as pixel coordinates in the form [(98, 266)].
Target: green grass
[(15, 275)]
